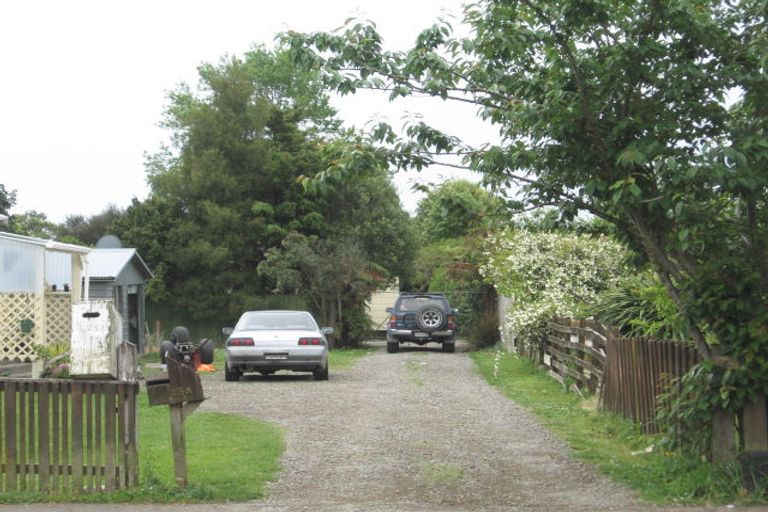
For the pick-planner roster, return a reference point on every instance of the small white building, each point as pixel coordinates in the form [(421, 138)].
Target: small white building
[(39, 281), (379, 302)]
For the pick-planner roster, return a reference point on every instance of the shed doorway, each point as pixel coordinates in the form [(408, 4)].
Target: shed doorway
[(133, 318)]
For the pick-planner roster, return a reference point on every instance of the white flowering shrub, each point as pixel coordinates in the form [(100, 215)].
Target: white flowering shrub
[(546, 274)]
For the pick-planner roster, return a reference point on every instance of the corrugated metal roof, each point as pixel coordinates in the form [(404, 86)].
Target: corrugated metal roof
[(48, 244), (105, 264)]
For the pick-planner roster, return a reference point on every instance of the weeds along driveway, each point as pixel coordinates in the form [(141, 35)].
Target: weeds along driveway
[(416, 430)]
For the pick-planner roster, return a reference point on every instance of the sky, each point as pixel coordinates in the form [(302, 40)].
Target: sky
[(84, 85)]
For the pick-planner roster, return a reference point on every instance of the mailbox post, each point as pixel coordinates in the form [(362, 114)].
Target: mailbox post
[(182, 391)]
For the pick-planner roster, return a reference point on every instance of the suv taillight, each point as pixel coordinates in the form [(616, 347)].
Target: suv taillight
[(310, 341), (240, 342), (392, 321), (450, 322)]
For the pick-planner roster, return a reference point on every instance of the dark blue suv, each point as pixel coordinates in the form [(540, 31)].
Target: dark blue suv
[(421, 318)]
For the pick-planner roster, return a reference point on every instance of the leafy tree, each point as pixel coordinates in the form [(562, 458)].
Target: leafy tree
[(616, 108), (32, 223), (7, 199), (87, 231), (333, 274), (229, 189), (455, 208)]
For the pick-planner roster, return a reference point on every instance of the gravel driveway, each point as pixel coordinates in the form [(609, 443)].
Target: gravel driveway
[(416, 430)]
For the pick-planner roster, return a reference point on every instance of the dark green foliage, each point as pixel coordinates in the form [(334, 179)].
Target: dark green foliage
[(335, 276), (87, 231), (640, 306), (454, 209), (7, 199)]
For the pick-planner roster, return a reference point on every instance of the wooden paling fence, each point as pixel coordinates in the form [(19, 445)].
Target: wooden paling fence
[(636, 373), (627, 373), (67, 435)]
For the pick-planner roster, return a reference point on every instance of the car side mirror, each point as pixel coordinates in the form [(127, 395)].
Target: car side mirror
[(226, 331), (327, 330), (455, 311), (389, 310)]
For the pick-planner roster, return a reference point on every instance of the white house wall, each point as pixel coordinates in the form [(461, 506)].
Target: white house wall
[(20, 267)]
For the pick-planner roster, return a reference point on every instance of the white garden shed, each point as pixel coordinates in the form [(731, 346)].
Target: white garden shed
[(39, 281)]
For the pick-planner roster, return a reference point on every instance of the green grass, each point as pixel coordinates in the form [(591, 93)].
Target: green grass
[(609, 441), (229, 458), (343, 358)]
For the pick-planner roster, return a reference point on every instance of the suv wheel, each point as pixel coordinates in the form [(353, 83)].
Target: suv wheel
[(449, 346), (393, 347)]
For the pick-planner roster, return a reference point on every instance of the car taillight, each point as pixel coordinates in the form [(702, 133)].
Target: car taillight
[(450, 321), (393, 321), (240, 342), (310, 341)]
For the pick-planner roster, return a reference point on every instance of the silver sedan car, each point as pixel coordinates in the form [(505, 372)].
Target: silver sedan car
[(267, 341)]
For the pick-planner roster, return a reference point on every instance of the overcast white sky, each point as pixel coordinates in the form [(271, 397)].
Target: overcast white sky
[(84, 84)]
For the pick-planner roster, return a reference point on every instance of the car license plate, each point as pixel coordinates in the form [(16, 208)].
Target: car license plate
[(275, 356), (421, 334)]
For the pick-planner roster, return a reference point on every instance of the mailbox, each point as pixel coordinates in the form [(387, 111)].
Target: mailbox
[(182, 384)]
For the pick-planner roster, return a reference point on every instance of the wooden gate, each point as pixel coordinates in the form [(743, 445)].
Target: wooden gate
[(67, 436)]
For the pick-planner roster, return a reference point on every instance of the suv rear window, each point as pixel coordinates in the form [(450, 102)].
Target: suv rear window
[(413, 303)]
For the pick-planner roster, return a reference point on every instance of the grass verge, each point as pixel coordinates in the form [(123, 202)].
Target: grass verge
[(343, 358), (229, 458), (614, 444)]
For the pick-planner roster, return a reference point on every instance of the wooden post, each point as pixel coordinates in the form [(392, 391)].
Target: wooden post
[(179, 443), (723, 438)]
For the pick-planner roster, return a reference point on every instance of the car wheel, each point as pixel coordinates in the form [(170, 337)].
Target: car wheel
[(321, 373), (231, 375), (449, 346), (430, 318), (165, 347), (393, 347)]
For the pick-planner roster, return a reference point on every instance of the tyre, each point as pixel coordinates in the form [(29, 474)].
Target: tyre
[(393, 347), (431, 318), (321, 373), (449, 346), (165, 347), (206, 351), (180, 334), (230, 375)]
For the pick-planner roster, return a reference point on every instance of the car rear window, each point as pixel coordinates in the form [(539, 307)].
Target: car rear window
[(413, 303), (276, 320)]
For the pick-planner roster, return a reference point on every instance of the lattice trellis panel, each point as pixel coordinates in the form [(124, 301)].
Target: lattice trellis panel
[(58, 317), (16, 308)]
